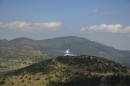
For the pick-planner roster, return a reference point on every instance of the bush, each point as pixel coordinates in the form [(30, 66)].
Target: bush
[(23, 80), (29, 78), (2, 82)]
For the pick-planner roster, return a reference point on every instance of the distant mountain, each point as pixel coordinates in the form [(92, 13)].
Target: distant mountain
[(21, 57), (77, 45), (69, 71)]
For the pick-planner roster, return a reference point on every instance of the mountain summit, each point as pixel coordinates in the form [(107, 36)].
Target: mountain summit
[(78, 45)]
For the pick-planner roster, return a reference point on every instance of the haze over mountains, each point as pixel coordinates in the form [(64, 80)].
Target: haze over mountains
[(27, 62), (32, 59), (77, 45)]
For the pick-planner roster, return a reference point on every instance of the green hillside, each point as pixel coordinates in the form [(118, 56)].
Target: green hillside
[(21, 57), (69, 71)]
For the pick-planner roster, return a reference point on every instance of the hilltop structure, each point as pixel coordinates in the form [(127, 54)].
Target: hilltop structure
[(67, 53)]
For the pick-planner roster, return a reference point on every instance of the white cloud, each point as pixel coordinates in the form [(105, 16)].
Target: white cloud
[(111, 14), (104, 28), (28, 26)]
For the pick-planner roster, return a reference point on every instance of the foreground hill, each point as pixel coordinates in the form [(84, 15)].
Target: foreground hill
[(78, 45), (21, 57), (70, 71)]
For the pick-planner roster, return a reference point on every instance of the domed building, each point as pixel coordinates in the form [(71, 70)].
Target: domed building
[(67, 53)]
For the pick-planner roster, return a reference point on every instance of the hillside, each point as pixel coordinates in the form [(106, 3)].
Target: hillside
[(77, 45), (70, 71), (21, 57)]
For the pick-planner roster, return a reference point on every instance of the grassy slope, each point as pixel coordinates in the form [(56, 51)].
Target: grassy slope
[(70, 71), (21, 57)]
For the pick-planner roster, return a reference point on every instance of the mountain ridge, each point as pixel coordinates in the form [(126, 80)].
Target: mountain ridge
[(29, 39), (78, 45)]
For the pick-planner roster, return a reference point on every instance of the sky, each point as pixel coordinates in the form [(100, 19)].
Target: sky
[(104, 21)]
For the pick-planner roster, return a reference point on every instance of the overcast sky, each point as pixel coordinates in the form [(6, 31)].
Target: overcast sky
[(104, 21)]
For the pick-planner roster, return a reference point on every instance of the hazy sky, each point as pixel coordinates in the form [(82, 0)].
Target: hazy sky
[(104, 21)]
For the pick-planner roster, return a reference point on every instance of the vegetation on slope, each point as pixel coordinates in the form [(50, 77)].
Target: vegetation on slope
[(78, 45), (21, 57), (70, 71)]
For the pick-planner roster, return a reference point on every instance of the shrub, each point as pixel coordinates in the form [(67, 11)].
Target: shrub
[(23, 80), (2, 82), (29, 78)]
